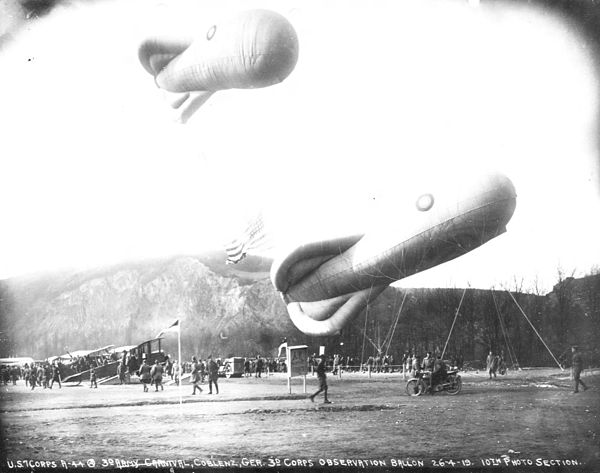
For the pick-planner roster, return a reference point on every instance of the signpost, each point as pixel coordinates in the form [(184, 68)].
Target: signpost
[(297, 364)]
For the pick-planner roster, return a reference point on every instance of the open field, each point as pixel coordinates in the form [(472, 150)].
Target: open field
[(525, 417)]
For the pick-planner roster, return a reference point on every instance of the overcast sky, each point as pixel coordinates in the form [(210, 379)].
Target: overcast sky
[(382, 100)]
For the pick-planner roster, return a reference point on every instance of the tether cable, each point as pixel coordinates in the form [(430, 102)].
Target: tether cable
[(454, 321), (536, 332)]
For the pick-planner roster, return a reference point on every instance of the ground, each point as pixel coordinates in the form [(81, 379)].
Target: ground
[(525, 417)]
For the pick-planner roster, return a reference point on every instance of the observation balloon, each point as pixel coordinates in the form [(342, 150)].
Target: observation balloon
[(324, 284), (253, 49)]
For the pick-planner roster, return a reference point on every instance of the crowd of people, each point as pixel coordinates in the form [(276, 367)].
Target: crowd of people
[(152, 374), (42, 375), (380, 363), (199, 370)]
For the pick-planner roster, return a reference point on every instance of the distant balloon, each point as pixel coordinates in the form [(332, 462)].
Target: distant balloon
[(326, 283), (254, 49)]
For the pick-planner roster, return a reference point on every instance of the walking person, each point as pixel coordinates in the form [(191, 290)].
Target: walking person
[(169, 367), (157, 374), (577, 367), (322, 377), (213, 375), (195, 375), (47, 375), (144, 373)]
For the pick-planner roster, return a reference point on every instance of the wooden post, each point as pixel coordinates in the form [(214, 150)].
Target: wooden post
[(304, 378)]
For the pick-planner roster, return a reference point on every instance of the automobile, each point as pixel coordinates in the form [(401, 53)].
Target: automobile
[(232, 367)]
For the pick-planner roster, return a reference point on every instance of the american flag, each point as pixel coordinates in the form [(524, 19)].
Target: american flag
[(253, 237), (171, 328)]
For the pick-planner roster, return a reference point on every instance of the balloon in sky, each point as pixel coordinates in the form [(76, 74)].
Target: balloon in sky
[(326, 283), (253, 49)]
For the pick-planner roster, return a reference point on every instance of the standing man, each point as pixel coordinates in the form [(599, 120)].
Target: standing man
[(336, 363), (55, 375), (427, 363), (122, 367), (195, 375), (259, 366), (492, 364), (322, 381), (438, 372), (93, 379), (213, 374), (577, 368)]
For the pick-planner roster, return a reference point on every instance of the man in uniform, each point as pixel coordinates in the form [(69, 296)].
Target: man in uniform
[(577, 367), (259, 366), (322, 381), (157, 375), (55, 375), (213, 375), (93, 379), (144, 373), (427, 363), (438, 372)]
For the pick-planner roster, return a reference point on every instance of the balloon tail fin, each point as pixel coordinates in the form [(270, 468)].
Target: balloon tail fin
[(186, 104)]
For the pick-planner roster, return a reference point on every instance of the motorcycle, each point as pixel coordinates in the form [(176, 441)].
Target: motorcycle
[(421, 384)]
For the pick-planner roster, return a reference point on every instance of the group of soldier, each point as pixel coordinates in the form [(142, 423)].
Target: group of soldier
[(42, 375), (46, 374), (152, 374)]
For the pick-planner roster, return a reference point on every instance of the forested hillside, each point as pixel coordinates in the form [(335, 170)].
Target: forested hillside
[(234, 310)]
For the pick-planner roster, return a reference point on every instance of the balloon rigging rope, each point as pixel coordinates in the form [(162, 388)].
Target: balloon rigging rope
[(362, 354), (387, 335), (454, 321), (504, 332), (396, 323), (536, 332)]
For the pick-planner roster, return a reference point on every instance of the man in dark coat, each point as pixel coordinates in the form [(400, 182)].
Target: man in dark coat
[(145, 376), (321, 376), (56, 377), (259, 366), (157, 375), (577, 369), (213, 375), (438, 372), (195, 378)]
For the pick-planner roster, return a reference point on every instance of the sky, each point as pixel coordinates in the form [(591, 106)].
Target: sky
[(384, 99)]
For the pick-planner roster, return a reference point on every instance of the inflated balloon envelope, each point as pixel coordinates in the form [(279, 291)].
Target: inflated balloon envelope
[(326, 283), (253, 49)]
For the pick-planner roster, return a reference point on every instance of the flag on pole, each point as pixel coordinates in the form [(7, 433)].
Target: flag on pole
[(253, 237), (174, 327)]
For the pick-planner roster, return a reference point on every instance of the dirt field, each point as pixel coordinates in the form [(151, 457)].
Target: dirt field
[(525, 418)]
